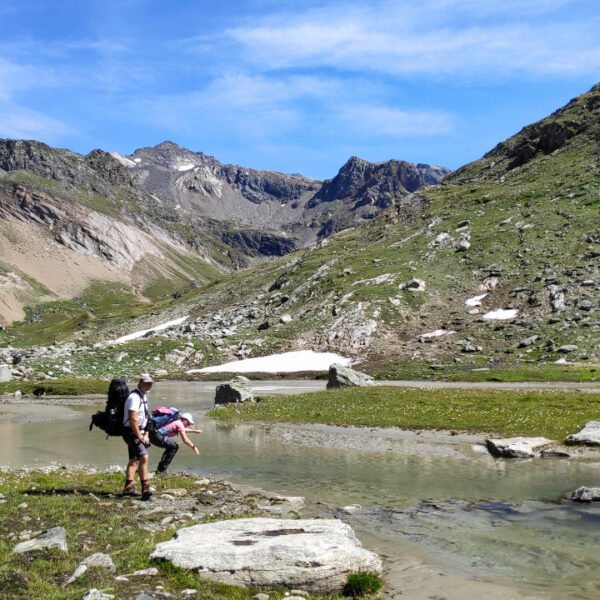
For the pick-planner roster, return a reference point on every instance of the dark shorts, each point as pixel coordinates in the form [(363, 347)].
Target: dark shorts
[(134, 446)]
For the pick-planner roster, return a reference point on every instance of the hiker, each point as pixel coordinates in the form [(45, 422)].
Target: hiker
[(161, 437), (135, 433)]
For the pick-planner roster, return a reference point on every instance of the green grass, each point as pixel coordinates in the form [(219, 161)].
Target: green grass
[(96, 519), (507, 413), (362, 583), (481, 371)]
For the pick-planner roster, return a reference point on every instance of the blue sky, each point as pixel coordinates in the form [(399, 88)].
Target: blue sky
[(292, 86)]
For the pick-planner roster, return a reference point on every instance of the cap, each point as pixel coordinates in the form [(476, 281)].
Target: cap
[(146, 378), (188, 417)]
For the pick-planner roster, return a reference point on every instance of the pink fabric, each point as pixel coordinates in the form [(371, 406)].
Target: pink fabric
[(174, 428)]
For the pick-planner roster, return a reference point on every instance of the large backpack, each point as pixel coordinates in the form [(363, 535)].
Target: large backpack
[(110, 420), (163, 415)]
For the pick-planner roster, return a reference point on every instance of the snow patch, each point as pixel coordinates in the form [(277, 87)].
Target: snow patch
[(288, 362), (137, 160), (437, 333), (475, 300), (185, 167), (124, 161), (138, 334), (501, 314)]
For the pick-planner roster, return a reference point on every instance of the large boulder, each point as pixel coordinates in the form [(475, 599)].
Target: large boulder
[(314, 554), (51, 538), (341, 376), (5, 373), (235, 391), (517, 447), (589, 435)]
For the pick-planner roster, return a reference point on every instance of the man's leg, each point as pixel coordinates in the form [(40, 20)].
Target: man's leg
[(129, 488), (143, 471), (137, 456), (132, 467)]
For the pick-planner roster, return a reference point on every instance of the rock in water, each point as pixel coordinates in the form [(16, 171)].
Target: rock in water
[(517, 447), (313, 554), (235, 391), (586, 494), (589, 435), (340, 376), (51, 538)]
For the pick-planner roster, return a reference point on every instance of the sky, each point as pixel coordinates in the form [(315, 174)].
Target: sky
[(297, 87)]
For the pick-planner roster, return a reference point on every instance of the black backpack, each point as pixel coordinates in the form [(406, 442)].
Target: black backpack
[(110, 420)]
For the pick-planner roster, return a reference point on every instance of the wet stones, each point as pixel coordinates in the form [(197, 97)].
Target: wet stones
[(517, 447), (586, 494)]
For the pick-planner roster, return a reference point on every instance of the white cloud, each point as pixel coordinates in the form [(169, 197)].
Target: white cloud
[(392, 122), (436, 37)]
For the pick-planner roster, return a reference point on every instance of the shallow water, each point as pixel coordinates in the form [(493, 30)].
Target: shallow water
[(486, 518)]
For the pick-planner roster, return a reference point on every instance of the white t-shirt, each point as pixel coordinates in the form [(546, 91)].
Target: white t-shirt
[(138, 402)]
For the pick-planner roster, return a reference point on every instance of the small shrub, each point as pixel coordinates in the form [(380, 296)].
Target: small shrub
[(362, 583)]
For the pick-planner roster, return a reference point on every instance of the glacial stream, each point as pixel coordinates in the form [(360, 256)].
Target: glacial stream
[(447, 518)]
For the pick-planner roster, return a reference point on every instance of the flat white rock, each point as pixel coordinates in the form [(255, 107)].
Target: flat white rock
[(589, 435), (312, 554), (517, 447), (501, 314)]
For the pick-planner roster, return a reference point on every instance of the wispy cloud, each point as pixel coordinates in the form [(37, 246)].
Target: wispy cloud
[(428, 38), (19, 122), (390, 122)]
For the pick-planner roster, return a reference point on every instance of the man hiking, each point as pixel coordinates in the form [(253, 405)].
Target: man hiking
[(162, 438), (135, 434)]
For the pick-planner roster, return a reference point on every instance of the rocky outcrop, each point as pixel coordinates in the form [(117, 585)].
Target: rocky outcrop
[(517, 447), (589, 435), (341, 376), (376, 184), (313, 554), (253, 242)]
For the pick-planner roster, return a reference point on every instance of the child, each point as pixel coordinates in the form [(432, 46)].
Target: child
[(162, 438)]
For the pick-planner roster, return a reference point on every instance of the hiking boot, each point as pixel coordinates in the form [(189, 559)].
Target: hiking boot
[(129, 490), (146, 493)]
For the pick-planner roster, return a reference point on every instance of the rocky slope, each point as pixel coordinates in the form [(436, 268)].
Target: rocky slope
[(499, 264), (155, 223)]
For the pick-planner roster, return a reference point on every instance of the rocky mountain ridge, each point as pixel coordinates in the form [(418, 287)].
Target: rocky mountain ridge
[(499, 265), (297, 206), (145, 214)]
